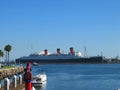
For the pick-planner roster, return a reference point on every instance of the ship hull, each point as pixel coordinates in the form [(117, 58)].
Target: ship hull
[(72, 60)]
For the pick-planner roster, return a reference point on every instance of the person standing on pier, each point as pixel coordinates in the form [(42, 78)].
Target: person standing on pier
[(28, 77)]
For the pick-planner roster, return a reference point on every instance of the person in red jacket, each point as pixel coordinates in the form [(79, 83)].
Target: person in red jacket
[(28, 66), (28, 79)]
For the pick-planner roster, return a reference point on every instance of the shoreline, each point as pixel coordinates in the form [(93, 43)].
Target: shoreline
[(6, 72)]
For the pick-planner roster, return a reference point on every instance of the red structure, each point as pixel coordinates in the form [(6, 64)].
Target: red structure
[(46, 52), (28, 77), (58, 51), (72, 50)]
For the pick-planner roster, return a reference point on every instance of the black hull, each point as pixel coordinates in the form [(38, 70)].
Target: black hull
[(80, 60)]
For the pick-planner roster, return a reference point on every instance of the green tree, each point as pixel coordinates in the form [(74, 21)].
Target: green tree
[(7, 48), (1, 53)]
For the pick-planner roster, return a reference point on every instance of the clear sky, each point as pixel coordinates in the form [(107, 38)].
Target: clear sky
[(34, 25)]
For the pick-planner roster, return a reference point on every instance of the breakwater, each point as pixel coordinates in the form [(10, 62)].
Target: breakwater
[(10, 71)]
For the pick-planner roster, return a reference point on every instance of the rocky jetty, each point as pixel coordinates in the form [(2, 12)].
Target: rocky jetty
[(11, 71)]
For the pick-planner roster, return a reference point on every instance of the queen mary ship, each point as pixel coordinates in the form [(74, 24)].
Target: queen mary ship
[(71, 57)]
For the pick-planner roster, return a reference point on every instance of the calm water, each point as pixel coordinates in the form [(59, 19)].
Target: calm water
[(80, 76)]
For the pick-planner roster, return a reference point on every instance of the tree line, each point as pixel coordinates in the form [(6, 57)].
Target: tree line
[(7, 49)]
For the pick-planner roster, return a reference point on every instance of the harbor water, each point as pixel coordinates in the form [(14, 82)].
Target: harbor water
[(80, 76)]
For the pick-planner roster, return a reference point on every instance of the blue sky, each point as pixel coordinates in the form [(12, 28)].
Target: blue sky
[(35, 25)]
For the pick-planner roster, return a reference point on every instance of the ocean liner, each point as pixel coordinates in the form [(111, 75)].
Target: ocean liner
[(58, 57)]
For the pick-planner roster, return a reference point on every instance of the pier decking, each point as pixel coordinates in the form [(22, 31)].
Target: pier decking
[(19, 87)]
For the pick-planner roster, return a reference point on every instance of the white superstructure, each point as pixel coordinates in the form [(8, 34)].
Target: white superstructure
[(45, 55)]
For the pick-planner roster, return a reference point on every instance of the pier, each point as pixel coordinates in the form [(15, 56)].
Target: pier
[(6, 72), (12, 71), (19, 87)]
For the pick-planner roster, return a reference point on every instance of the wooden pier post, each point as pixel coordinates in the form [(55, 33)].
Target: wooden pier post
[(0, 84), (20, 79), (14, 81), (6, 84)]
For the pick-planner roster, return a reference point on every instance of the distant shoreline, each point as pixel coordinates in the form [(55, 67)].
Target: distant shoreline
[(72, 61)]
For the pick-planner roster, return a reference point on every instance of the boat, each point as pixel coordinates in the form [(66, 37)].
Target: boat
[(59, 57), (35, 64), (39, 80)]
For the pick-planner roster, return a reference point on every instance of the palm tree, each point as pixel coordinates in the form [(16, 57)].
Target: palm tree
[(7, 49), (1, 53)]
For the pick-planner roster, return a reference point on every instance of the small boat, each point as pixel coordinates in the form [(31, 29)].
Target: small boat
[(35, 64), (39, 80)]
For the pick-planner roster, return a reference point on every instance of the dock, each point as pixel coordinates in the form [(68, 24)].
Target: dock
[(6, 72), (10, 71), (19, 87)]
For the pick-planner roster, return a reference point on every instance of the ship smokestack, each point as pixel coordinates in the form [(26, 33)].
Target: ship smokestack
[(71, 50), (58, 51), (46, 52)]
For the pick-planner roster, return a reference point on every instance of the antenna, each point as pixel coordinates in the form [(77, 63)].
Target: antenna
[(85, 51)]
